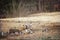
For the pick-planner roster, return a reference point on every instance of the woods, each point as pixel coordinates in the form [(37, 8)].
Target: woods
[(21, 8)]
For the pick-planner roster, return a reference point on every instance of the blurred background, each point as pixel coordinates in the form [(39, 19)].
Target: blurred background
[(23, 8)]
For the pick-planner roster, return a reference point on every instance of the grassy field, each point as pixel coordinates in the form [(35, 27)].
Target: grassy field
[(44, 27)]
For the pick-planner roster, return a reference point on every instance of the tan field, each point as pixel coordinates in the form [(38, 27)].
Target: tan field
[(43, 26)]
